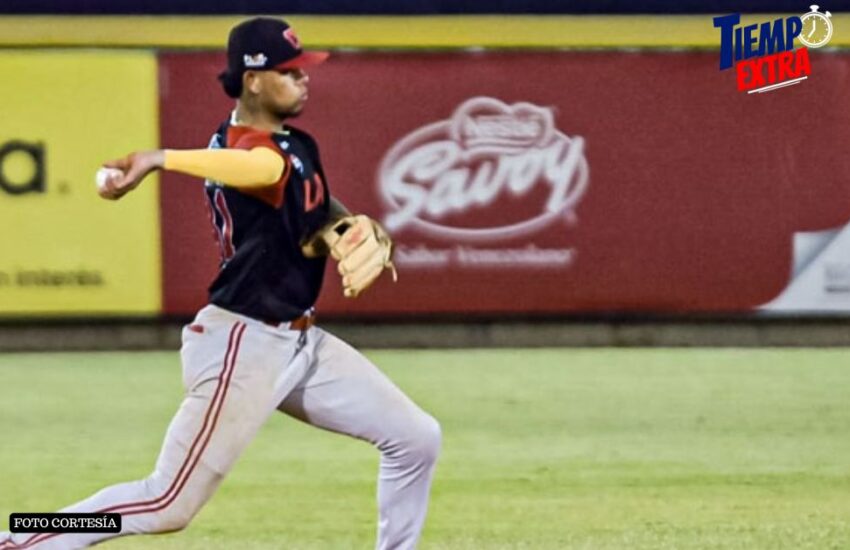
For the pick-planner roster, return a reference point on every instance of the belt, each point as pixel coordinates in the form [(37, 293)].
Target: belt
[(301, 323)]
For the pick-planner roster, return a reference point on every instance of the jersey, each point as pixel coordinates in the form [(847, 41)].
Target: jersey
[(263, 273)]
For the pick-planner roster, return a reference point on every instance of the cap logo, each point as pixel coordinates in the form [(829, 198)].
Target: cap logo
[(258, 60), (292, 38)]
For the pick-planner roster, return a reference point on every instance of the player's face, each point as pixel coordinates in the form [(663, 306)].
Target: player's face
[(283, 93)]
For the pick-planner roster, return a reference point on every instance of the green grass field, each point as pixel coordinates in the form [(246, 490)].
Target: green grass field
[(543, 449)]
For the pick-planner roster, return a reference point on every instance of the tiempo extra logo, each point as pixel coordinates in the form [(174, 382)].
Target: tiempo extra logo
[(763, 54)]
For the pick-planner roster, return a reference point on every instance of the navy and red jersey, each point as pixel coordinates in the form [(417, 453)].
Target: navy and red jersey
[(263, 273)]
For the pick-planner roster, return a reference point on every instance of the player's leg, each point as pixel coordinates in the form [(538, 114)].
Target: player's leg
[(230, 371), (344, 392)]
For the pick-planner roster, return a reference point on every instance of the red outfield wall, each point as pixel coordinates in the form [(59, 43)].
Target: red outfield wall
[(547, 182)]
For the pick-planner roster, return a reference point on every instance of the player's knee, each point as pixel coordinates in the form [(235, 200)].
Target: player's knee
[(426, 440), (414, 442), (176, 516), (173, 519)]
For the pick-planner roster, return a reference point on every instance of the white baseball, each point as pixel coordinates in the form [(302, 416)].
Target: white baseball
[(105, 174)]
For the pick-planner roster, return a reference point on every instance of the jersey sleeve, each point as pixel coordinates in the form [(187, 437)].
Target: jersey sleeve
[(247, 139)]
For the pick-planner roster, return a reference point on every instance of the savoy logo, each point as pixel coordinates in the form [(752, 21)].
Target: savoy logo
[(488, 156)]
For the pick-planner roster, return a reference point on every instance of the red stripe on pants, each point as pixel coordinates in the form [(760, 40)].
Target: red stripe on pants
[(173, 491)]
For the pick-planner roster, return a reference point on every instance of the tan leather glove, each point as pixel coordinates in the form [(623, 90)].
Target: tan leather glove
[(360, 245)]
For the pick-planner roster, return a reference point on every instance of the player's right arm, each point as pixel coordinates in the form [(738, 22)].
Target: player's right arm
[(256, 167)]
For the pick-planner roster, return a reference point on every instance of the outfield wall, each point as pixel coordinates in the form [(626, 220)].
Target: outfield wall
[(110, 334), (522, 181)]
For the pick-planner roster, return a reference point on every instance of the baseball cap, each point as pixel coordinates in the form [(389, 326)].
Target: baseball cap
[(264, 44)]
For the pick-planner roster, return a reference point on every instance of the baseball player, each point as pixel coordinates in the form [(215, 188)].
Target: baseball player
[(254, 349)]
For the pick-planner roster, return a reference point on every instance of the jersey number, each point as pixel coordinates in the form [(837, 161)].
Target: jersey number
[(223, 223)]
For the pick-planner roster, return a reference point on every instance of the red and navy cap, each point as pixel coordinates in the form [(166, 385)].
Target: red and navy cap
[(265, 44)]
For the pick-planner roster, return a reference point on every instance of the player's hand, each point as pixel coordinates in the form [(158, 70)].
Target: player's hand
[(135, 167)]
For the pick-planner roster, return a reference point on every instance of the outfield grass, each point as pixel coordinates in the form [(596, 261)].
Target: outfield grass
[(543, 449)]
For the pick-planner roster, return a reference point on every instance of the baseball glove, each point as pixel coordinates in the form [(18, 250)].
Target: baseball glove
[(360, 245)]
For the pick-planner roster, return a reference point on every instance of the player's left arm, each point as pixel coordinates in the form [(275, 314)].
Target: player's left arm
[(360, 244), (337, 210)]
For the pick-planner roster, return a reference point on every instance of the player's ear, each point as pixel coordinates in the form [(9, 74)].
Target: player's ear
[(252, 82)]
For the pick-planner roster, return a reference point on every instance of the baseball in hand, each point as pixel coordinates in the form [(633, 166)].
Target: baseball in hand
[(105, 174)]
